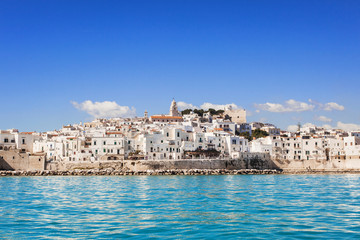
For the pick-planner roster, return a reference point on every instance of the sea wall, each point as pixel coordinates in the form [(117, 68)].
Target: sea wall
[(16, 160), (318, 165), (246, 161), (112, 172), (19, 161)]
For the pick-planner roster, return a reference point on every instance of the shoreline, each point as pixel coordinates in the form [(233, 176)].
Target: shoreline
[(180, 172), (112, 172)]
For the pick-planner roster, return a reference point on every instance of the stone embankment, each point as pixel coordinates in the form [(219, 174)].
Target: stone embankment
[(112, 172), (321, 171)]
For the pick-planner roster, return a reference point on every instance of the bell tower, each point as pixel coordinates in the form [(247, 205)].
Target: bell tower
[(174, 110)]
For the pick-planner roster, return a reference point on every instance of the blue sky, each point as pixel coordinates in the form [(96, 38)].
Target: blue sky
[(55, 55)]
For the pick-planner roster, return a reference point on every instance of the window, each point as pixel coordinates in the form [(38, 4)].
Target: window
[(167, 134), (23, 141), (178, 134), (94, 142), (104, 142), (6, 140)]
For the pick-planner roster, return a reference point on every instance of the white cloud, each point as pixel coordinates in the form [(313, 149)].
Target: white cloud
[(323, 119), (105, 109), (184, 105), (290, 105), (327, 106), (207, 105), (348, 126), (263, 120), (333, 106), (308, 125), (327, 126), (293, 128)]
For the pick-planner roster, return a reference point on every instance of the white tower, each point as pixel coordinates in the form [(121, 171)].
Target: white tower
[(174, 110)]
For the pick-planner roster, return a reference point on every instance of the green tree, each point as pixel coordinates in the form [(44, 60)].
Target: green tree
[(199, 112), (245, 135), (186, 111), (227, 117), (257, 133), (219, 112)]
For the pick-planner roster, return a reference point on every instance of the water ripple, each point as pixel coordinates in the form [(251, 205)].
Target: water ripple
[(180, 207)]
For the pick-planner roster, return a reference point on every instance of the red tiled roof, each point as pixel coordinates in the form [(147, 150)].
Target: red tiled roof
[(110, 133)]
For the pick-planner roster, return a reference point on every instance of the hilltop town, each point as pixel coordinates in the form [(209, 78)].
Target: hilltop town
[(187, 135)]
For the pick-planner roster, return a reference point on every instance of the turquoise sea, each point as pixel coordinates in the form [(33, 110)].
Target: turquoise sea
[(181, 207)]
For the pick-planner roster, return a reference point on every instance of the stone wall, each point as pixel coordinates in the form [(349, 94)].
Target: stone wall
[(16, 160), (320, 165), (246, 161)]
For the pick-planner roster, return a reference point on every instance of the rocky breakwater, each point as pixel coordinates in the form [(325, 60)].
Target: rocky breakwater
[(114, 172)]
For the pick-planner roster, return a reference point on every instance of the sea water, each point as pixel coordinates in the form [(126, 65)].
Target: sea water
[(181, 207)]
